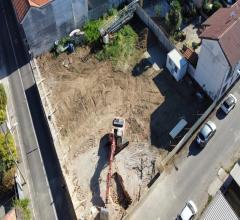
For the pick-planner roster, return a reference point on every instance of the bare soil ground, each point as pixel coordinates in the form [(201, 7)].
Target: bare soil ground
[(87, 96)]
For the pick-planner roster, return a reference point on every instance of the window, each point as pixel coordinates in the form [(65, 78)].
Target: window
[(170, 62), (176, 69)]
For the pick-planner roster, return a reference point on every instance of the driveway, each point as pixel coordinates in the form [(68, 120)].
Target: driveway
[(194, 171)]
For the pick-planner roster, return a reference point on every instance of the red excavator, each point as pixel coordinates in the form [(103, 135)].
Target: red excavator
[(116, 143)]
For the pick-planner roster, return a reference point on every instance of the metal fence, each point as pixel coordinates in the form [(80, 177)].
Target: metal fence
[(163, 39), (189, 134)]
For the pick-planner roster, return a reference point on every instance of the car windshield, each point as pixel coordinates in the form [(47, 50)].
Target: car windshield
[(191, 207), (200, 135), (228, 102), (226, 105)]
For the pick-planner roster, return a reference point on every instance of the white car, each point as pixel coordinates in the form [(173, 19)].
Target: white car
[(188, 212), (229, 103)]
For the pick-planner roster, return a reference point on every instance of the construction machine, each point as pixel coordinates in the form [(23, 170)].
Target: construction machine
[(116, 142)]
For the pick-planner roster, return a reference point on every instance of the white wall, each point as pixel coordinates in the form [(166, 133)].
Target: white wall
[(212, 68)]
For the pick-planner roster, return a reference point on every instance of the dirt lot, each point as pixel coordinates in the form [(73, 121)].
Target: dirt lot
[(87, 96)]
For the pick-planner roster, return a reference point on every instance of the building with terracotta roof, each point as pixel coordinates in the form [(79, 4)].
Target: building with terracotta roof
[(218, 65), (44, 21)]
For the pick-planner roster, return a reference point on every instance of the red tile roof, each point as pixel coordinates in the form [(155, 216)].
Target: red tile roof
[(191, 56), (21, 7), (38, 3), (224, 26)]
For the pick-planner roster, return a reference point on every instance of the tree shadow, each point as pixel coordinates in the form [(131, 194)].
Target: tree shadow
[(179, 101), (103, 153), (141, 67), (194, 149)]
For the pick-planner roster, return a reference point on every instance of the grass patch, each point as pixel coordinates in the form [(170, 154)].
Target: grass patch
[(121, 48)]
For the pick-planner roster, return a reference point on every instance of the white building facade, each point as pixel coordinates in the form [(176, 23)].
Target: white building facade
[(218, 65)]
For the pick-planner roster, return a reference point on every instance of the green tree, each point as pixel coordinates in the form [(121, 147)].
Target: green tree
[(216, 5), (174, 17)]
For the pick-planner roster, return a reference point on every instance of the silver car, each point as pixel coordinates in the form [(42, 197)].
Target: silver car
[(229, 103), (206, 132)]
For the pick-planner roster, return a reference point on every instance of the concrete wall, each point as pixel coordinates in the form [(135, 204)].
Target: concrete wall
[(99, 7), (162, 38), (212, 68), (42, 26)]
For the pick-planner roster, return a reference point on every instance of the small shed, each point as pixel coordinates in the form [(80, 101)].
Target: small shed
[(176, 64)]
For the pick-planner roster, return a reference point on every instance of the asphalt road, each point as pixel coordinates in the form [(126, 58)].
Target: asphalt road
[(49, 196), (194, 171)]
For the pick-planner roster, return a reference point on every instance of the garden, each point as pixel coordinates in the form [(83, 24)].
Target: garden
[(175, 18)]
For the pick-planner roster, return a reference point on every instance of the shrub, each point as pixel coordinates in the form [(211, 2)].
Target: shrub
[(189, 10), (121, 47), (3, 115), (6, 146), (207, 7), (179, 36), (3, 103), (91, 29), (195, 45), (3, 97), (23, 206), (216, 5)]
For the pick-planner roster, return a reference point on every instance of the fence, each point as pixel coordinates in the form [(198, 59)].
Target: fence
[(163, 39), (189, 134)]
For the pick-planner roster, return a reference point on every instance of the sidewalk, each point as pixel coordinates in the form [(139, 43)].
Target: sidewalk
[(11, 120)]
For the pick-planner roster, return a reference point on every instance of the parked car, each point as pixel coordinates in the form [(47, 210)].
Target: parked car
[(229, 103), (188, 212), (206, 132)]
